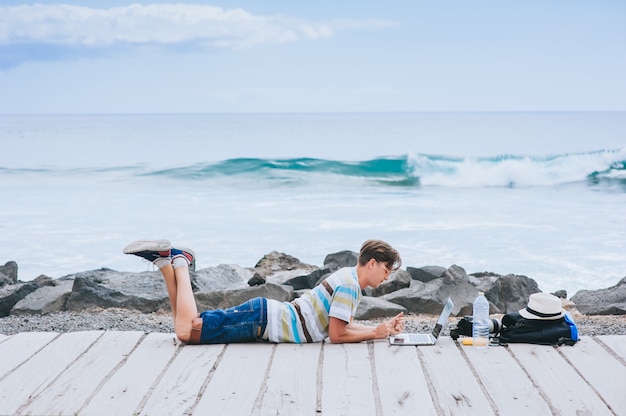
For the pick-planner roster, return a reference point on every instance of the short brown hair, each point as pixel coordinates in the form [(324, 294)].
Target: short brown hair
[(381, 252)]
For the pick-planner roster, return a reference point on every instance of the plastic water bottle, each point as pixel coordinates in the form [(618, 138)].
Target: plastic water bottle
[(480, 321)]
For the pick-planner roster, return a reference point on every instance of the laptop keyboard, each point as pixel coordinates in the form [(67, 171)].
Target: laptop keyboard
[(419, 338)]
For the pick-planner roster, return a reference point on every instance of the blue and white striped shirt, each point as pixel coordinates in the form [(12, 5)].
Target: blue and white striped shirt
[(306, 319)]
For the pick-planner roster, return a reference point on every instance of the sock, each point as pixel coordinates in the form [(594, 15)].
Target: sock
[(162, 262), (180, 261)]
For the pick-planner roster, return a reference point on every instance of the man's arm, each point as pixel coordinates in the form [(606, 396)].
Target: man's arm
[(342, 332)]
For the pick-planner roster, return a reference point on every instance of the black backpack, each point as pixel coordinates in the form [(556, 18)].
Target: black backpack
[(516, 329)]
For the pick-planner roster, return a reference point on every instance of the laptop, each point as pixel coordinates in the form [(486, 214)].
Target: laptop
[(424, 339)]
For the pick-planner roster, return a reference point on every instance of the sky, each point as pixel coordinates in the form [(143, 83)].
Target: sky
[(75, 57)]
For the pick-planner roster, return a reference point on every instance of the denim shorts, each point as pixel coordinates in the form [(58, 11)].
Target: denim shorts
[(243, 323)]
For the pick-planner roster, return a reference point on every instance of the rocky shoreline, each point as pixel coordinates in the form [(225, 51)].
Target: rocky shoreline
[(129, 320), (106, 299)]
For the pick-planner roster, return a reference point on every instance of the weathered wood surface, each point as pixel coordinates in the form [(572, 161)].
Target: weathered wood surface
[(126, 373)]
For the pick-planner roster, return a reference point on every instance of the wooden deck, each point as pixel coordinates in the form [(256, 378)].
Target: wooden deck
[(127, 373)]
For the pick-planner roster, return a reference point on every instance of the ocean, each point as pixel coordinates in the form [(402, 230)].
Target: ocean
[(536, 194)]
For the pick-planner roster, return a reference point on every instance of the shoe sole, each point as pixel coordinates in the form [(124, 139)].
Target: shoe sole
[(147, 245)]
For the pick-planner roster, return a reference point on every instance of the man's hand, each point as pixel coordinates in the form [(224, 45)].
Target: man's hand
[(396, 324)]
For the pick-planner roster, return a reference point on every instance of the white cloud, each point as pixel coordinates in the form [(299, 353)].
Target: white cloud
[(165, 24)]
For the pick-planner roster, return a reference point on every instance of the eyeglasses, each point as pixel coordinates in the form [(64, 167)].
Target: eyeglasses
[(387, 269)]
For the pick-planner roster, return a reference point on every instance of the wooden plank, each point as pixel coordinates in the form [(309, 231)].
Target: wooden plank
[(124, 391), (36, 374), (177, 391), (617, 343), (505, 382), (236, 384), (401, 382), (292, 381), (347, 380), (19, 348), (603, 371), (551, 373), (74, 387), (457, 391), (3, 338)]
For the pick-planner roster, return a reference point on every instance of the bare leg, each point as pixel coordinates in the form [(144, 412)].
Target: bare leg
[(174, 266), (184, 309), (170, 283)]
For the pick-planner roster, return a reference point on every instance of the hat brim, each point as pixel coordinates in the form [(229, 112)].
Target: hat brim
[(528, 315)]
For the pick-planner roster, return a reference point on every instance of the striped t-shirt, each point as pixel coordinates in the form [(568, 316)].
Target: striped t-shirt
[(306, 319)]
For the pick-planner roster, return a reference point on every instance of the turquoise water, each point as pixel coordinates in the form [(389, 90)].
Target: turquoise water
[(540, 194)]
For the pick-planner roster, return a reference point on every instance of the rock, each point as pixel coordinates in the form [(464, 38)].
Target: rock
[(340, 259), (427, 299), (399, 279), (456, 273), (12, 294), (610, 301), (282, 277), (505, 293), (224, 276), (510, 293), (278, 268), (426, 273), (561, 294), (276, 261), (9, 270), (418, 298), (220, 299), (256, 280), (46, 299), (105, 288), (4, 280), (372, 308), (308, 281), (43, 280)]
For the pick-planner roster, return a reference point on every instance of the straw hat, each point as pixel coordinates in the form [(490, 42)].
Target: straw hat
[(543, 306)]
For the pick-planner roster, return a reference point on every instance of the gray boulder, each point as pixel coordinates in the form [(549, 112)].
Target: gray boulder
[(220, 299), (46, 299), (256, 280), (8, 273), (276, 261), (510, 293), (372, 308), (12, 294), (399, 279), (308, 281), (4, 280), (610, 301), (430, 297), (414, 300), (106, 288), (340, 259), (426, 273), (224, 276), (279, 268), (505, 293), (456, 273)]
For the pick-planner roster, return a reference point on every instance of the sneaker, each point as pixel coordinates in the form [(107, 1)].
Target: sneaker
[(150, 250), (187, 253)]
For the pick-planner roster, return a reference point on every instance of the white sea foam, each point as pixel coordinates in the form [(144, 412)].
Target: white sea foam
[(518, 171)]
